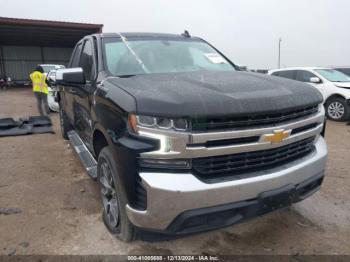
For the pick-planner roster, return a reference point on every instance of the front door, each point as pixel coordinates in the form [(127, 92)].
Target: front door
[(67, 101), (82, 97), (305, 76)]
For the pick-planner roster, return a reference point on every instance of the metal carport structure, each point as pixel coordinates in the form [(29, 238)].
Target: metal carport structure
[(24, 43)]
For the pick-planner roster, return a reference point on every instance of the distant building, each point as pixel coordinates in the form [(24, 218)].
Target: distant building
[(25, 43)]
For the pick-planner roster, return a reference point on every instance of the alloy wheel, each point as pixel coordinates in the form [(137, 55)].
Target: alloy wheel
[(336, 110), (109, 195)]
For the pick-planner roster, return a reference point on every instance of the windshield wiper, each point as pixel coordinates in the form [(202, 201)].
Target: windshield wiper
[(126, 76)]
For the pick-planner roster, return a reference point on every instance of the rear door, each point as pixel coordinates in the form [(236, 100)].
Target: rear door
[(67, 97), (83, 96)]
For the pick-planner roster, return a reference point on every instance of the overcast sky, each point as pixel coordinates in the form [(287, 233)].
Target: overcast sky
[(313, 32)]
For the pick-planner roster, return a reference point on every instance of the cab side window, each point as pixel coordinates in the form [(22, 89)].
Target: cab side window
[(290, 74), (276, 73), (304, 76), (76, 56), (87, 61)]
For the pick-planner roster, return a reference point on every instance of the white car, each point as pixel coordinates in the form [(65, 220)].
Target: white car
[(51, 98), (333, 85), (50, 71)]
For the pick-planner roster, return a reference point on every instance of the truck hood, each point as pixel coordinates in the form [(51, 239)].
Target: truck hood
[(207, 93)]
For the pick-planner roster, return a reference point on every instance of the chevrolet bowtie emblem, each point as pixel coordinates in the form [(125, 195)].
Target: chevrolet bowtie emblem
[(277, 136)]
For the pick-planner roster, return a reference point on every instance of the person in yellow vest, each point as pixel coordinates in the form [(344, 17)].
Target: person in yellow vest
[(40, 90)]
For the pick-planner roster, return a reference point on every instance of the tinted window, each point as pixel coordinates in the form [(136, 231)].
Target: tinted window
[(286, 74), (304, 76), (75, 60), (86, 61)]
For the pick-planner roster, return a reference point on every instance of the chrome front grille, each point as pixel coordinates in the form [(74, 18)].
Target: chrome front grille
[(194, 145), (251, 121)]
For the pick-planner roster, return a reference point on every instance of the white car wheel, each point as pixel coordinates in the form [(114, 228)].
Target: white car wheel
[(337, 109)]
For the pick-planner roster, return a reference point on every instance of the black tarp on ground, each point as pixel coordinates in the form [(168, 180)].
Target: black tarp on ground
[(25, 126)]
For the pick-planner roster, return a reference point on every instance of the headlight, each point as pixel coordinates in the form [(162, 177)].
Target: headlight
[(178, 124)]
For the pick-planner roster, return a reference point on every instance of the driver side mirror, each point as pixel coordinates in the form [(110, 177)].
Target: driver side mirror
[(70, 76), (315, 80)]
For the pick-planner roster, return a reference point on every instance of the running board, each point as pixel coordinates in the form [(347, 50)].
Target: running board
[(84, 154)]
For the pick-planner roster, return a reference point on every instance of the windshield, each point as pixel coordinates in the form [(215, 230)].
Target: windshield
[(135, 57), (333, 75)]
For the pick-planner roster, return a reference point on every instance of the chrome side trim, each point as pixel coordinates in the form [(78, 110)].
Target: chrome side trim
[(183, 145)]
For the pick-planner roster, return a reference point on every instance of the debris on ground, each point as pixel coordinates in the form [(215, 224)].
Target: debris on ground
[(12, 252), (267, 249), (25, 126), (302, 224), (24, 244), (9, 211)]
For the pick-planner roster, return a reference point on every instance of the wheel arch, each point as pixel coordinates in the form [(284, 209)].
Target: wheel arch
[(99, 141), (125, 159), (333, 96)]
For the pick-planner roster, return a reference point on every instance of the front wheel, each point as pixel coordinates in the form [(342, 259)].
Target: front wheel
[(113, 197), (337, 109)]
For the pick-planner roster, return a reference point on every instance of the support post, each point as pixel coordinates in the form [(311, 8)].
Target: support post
[(42, 55), (279, 52), (2, 61)]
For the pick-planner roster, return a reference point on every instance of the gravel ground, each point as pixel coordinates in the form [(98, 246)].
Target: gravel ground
[(60, 209)]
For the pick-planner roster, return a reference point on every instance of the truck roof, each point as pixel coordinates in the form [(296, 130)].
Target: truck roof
[(141, 35)]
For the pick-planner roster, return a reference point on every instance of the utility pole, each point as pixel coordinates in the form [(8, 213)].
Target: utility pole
[(279, 52)]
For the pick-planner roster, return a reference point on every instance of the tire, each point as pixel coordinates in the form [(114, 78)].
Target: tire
[(113, 197), (337, 109), (64, 123)]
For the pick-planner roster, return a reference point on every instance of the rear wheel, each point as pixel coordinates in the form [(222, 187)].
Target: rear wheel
[(337, 109), (64, 123), (113, 198)]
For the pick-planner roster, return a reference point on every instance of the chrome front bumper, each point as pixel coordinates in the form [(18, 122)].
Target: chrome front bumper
[(170, 194)]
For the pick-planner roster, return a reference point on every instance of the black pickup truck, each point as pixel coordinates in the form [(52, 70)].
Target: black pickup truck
[(180, 140)]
